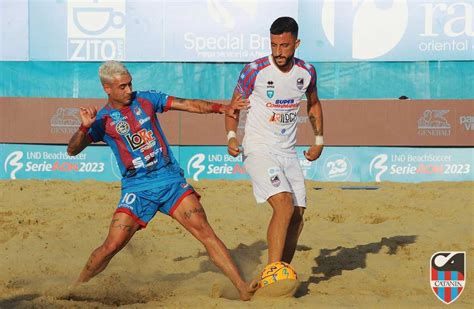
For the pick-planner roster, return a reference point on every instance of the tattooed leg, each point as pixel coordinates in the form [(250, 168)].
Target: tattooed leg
[(191, 215), (121, 231)]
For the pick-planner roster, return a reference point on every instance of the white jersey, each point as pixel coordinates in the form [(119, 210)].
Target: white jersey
[(275, 99)]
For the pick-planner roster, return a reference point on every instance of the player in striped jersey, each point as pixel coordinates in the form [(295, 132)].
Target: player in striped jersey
[(275, 86), (151, 177)]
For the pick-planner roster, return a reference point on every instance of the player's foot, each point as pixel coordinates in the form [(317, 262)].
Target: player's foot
[(248, 290)]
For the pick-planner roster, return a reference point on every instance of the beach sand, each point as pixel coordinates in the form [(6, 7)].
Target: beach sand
[(359, 248)]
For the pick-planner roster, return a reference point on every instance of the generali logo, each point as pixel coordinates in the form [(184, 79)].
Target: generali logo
[(433, 122)]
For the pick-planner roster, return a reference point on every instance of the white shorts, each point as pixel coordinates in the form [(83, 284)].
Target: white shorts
[(272, 174)]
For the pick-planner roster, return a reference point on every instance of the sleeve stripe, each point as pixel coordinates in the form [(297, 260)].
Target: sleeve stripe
[(168, 103)]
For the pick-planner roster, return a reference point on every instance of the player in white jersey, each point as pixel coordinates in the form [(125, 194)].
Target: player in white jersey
[(275, 86)]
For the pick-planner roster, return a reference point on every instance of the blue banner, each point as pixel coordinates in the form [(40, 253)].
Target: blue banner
[(53, 162), (183, 30), (339, 164), (387, 30), (417, 164), (235, 31)]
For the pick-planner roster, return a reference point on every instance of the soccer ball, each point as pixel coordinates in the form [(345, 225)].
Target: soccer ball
[(277, 271)]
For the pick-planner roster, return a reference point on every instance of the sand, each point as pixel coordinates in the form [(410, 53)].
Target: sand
[(359, 248)]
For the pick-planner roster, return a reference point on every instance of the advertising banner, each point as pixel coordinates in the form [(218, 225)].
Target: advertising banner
[(346, 123), (387, 30), (182, 30), (337, 164), (236, 31)]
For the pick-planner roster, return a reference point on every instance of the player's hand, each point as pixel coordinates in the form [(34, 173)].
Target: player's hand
[(233, 147), (313, 152), (235, 105), (88, 115)]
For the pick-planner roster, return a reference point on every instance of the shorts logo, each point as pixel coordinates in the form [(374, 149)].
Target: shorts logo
[(448, 275), (273, 173), (275, 181), (300, 83), (122, 128)]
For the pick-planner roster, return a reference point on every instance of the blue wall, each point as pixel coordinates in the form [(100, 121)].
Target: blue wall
[(337, 80)]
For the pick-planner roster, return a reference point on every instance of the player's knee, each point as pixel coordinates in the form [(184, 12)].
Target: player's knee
[(203, 231), (285, 209), (111, 247)]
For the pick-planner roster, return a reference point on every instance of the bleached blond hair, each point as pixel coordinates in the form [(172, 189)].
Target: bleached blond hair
[(109, 69)]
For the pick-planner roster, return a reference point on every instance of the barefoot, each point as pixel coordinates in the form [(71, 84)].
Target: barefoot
[(247, 291)]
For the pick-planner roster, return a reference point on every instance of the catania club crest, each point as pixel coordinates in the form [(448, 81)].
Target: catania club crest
[(448, 275)]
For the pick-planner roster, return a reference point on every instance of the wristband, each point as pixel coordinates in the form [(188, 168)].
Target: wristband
[(319, 140), (83, 129), (231, 134), (216, 108)]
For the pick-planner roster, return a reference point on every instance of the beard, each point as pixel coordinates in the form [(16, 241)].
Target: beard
[(287, 61)]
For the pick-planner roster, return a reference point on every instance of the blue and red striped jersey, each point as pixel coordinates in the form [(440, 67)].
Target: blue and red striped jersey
[(137, 141)]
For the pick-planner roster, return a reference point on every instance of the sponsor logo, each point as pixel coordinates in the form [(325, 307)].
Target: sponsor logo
[(365, 25), (196, 163), (448, 275), (442, 31), (337, 168), (34, 163), (142, 140), (409, 164), (284, 104), (66, 120), (360, 27), (13, 162), (300, 83), (122, 128), (143, 120), (283, 118), (467, 122), (377, 166), (138, 163), (137, 111), (117, 117), (434, 123), (96, 30), (214, 164)]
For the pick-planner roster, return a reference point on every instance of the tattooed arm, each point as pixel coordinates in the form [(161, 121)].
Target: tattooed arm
[(315, 114), (206, 107)]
